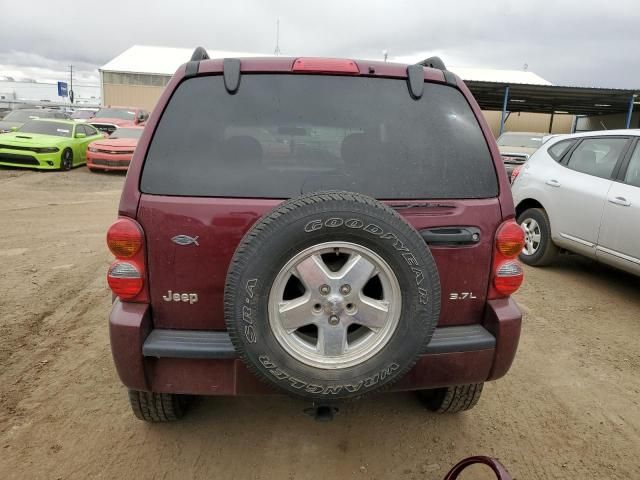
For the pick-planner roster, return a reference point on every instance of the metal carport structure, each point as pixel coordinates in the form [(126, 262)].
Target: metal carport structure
[(552, 99)]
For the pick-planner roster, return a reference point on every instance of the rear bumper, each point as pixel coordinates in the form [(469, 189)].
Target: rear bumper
[(205, 363)]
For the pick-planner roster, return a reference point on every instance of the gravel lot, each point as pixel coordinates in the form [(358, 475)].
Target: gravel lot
[(569, 408)]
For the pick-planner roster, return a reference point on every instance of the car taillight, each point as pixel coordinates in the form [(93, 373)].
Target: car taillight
[(510, 239), (126, 276), (125, 279), (325, 65), (507, 272), (515, 173), (124, 238), (508, 277)]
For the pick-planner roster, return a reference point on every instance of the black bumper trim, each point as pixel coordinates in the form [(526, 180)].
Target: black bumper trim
[(217, 345)]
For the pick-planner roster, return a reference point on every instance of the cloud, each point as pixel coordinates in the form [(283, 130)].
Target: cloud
[(568, 42)]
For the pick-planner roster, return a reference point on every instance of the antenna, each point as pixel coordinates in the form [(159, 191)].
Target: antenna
[(277, 50)]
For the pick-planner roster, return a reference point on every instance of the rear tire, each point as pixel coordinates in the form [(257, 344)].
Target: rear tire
[(157, 407), (535, 223), (452, 399)]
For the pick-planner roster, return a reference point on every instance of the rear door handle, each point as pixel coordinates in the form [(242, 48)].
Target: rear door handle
[(620, 201), (552, 182), (451, 235)]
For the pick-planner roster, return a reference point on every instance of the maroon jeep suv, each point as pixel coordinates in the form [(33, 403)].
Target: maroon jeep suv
[(324, 228)]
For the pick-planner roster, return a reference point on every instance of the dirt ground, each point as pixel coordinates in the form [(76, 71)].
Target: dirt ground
[(569, 408)]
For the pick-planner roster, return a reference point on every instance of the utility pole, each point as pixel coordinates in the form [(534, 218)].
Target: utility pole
[(71, 83), (277, 50)]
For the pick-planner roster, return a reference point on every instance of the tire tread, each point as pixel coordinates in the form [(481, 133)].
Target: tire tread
[(156, 407), (454, 399)]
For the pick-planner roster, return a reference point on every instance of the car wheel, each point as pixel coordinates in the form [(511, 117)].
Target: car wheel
[(539, 249), (331, 296), (453, 399), (157, 407), (66, 160)]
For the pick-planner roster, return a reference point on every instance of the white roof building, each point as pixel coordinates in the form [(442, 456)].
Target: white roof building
[(165, 61), (138, 75), (160, 60)]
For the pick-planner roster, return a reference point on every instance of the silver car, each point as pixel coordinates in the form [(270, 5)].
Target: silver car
[(582, 193)]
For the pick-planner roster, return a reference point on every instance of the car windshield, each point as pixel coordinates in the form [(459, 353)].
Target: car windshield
[(23, 115), (82, 114), (121, 113), (272, 139), (520, 140), (57, 129), (126, 133)]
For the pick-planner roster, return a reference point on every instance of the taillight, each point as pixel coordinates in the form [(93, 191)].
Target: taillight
[(325, 65), (125, 279), (124, 238), (510, 239), (126, 276), (507, 272), (515, 173), (508, 277)]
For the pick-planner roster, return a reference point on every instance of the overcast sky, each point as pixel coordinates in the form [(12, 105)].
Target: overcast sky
[(585, 43)]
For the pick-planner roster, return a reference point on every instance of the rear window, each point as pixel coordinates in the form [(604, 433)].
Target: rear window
[(520, 140), (282, 135), (116, 113), (558, 150)]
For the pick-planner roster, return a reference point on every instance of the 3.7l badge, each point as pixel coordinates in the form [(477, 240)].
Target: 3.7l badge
[(462, 296)]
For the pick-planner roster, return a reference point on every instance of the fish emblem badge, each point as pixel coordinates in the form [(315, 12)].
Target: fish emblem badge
[(185, 240)]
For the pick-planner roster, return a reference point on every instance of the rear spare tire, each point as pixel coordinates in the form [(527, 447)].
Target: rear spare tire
[(331, 296)]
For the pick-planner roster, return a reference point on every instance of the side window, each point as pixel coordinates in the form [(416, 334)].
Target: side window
[(559, 149), (81, 129), (597, 156), (90, 130), (632, 176)]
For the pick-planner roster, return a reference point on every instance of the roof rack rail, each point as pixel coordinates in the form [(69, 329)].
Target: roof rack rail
[(433, 62), (199, 54)]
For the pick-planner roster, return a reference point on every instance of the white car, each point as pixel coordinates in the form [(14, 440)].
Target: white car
[(81, 115), (581, 193)]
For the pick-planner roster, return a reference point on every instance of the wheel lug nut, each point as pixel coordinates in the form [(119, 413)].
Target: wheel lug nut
[(345, 289), (325, 289), (334, 320)]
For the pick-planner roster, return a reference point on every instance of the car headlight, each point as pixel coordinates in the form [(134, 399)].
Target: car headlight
[(46, 150), (93, 149)]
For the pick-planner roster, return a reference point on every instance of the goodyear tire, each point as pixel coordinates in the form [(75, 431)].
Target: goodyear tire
[(331, 296)]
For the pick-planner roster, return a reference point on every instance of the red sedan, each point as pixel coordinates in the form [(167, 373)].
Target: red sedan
[(115, 151)]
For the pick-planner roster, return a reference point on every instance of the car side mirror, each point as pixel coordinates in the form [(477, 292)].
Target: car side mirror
[(14, 129), (81, 135)]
